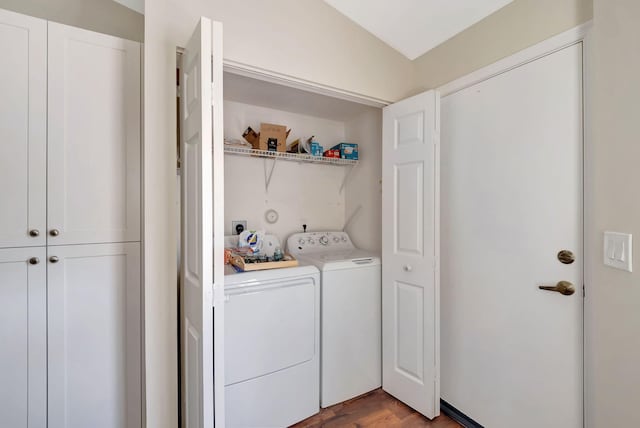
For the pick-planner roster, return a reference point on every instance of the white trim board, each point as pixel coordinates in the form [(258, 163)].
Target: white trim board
[(246, 70), (544, 48)]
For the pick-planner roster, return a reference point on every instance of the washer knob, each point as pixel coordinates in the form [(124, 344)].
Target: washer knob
[(344, 239), (311, 241), (300, 241), (336, 239), (324, 240)]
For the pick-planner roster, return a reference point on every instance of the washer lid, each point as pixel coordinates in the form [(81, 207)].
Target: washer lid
[(347, 259)]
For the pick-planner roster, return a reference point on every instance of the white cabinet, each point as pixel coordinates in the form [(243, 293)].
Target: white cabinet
[(23, 130), (70, 322), (94, 137), (23, 329), (94, 335)]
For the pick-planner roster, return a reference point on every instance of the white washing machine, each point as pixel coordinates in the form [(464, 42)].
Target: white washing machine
[(272, 342), (351, 313)]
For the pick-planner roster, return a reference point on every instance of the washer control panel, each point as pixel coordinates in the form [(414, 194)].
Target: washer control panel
[(318, 242)]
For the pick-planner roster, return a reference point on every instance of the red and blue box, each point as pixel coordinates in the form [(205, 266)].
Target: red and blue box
[(347, 150)]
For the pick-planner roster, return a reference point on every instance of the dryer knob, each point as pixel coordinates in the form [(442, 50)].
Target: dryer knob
[(300, 241), (344, 239), (324, 240), (336, 239), (311, 241)]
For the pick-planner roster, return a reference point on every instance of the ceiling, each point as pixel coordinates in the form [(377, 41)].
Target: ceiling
[(414, 27), (137, 5)]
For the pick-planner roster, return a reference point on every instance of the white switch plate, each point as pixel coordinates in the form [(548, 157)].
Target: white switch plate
[(618, 250)]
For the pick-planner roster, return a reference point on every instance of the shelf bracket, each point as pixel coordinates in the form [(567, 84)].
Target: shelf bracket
[(269, 175), (346, 177)]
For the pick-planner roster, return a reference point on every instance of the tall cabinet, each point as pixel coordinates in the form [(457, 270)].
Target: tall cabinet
[(70, 286)]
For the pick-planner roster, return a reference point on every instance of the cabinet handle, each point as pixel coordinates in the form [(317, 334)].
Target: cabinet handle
[(34, 232), (53, 259), (54, 232), (34, 261), (407, 268)]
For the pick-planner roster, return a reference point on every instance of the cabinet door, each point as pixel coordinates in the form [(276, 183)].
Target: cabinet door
[(94, 336), (23, 132), (23, 341), (94, 137)]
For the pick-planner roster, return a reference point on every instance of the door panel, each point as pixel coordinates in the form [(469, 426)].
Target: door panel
[(94, 137), (409, 190), (410, 307), (23, 328), (512, 199), (202, 243), (23, 129), (94, 336)]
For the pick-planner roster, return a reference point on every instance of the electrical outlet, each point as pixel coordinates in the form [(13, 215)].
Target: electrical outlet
[(236, 225)]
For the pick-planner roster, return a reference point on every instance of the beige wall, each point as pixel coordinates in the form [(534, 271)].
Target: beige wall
[(613, 203), (103, 16), (518, 25), (306, 39)]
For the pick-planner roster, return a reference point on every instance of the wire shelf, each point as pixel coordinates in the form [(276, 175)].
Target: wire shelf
[(296, 157)]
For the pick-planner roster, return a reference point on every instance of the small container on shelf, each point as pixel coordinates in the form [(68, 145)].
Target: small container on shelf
[(347, 150)]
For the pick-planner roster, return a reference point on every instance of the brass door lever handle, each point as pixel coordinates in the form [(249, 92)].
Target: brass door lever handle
[(562, 287)]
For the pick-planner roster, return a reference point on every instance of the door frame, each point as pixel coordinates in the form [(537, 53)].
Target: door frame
[(573, 36)]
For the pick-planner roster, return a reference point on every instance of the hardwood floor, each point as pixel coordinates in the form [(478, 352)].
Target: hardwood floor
[(374, 409)]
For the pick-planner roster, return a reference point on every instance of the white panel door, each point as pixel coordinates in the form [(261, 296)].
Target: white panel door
[(410, 305), (94, 336), (202, 243), (23, 338), (23, 130), (94, 137), (512, 199)]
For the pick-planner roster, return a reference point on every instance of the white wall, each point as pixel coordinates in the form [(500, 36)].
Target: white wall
[(103, 16), (301, 193), (613, 296), (516, 26), (306, 39), (364, 185)]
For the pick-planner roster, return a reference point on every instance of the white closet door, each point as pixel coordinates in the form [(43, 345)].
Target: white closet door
[(94, 336), (23, 132), (23, 341), (94, 137), (202, 271), (410, 301)]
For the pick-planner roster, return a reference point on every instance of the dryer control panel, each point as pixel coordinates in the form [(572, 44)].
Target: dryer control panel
[(318, 242)]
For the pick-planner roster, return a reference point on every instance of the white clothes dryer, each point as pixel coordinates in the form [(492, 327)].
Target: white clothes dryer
[(351, 313), (272, 342)]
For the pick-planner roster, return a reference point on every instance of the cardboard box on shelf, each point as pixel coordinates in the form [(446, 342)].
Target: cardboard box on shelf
[(272, 137), (347, 150), (251, 136)]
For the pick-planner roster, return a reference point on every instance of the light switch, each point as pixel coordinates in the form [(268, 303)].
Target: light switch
[(618, 250)]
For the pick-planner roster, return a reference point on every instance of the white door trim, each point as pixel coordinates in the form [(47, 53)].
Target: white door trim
[(544, 48), (258, 73)]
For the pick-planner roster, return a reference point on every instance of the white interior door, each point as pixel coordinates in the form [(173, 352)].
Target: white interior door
[(23, 335), (94, 137), (93, 336), (202, 272), (23, 130), (410, 305), (511, 200)]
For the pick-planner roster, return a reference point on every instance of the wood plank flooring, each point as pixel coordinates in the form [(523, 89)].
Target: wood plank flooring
[(374, 409)]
